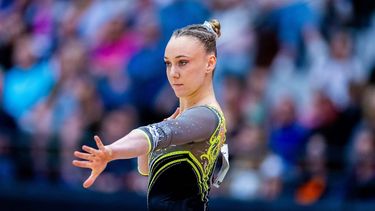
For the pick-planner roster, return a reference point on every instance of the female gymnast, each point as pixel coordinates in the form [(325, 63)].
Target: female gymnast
[(178, 154)]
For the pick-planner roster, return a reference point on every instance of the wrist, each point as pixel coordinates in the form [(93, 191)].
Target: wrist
[(109, 151)]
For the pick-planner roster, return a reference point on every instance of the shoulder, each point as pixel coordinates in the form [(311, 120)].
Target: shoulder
[(206, 116), (202, 112)]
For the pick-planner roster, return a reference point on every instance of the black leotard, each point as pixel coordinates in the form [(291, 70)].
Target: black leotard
[(183, 153)]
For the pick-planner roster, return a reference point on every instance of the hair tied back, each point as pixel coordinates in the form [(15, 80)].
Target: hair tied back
[(209, 27)]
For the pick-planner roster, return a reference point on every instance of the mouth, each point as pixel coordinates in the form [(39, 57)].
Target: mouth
[(177, 85)]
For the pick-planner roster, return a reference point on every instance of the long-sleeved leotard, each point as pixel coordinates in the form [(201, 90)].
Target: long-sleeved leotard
[(183, 153)]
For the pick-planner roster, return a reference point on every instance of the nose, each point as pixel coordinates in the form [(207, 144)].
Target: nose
[(174, 72)]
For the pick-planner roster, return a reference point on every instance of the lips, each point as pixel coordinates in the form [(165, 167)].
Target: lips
[(177, 85)]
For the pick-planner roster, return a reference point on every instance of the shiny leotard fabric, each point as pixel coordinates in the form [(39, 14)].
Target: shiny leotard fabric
[(183, 153)]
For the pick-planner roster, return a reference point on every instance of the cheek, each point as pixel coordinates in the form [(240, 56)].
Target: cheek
[(196, 71), (195, 80), (169, 76)]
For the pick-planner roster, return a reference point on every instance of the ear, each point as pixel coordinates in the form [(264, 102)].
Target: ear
[(211, 64)]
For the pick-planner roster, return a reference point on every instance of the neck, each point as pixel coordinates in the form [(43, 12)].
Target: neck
[(203, 96)]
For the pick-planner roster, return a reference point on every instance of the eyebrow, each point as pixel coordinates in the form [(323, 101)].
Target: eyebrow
[(179, 56)]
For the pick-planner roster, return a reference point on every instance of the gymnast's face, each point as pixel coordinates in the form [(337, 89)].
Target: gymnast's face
[(189, 66)]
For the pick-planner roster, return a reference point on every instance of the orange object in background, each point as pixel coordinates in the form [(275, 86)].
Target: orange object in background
[(311, 191)]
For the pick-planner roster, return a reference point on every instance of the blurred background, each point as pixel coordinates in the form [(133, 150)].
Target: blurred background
[(295, 78)]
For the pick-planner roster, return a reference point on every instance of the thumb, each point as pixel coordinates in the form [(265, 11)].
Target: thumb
[(90, 180), (175, 114)]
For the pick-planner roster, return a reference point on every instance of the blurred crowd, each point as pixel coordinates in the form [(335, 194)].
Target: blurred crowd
[(295, 78)]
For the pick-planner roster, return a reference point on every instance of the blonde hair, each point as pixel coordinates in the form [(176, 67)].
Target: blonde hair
[(206, 33)]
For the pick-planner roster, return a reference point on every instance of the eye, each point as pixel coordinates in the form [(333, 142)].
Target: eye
[(182, 62), (167, 63)]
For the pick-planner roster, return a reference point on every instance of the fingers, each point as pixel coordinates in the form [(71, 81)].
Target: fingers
[(99, 143), (90, 180), (95, 159), (84, 156), (89, 149), (82, 164), (174, 115)]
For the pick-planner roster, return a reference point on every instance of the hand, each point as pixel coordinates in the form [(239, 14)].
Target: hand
[(94, 159)]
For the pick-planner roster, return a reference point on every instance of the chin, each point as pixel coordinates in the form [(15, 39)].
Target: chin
[(179, 94)]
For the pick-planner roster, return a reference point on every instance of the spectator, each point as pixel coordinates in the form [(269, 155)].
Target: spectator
[(120, 174), (291, 32), (27, 82), (8, 129), (234, 48), (314, 184), (288, 136), (256, 172), (340, 71), (116, 45), (360, 183)]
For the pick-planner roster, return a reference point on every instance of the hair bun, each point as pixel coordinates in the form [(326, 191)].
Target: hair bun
[(215, 24)]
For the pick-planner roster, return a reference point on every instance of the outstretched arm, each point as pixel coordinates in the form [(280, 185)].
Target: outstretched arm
[(132, 145)]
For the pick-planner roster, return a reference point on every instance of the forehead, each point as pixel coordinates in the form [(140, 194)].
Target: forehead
[(184, 45)]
